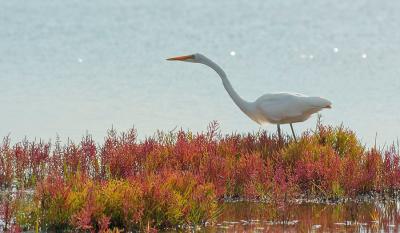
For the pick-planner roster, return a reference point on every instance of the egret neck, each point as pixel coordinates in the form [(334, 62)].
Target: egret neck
[(245, 106)]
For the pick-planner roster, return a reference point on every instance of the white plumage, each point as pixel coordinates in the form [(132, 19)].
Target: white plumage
[(286, 108), (275, 108)]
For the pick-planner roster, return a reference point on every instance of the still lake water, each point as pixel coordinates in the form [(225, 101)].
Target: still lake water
[(67, 67), (345, 217)]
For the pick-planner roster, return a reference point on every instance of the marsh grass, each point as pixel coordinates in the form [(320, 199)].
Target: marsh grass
[(176, 178)]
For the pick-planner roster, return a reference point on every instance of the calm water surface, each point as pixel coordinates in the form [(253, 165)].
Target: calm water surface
[(67, 67), (348, 217)]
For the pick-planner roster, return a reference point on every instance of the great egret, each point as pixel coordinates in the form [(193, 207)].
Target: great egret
[(276, 108)]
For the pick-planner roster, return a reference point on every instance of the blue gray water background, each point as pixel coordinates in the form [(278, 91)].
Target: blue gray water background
[(71, 67)]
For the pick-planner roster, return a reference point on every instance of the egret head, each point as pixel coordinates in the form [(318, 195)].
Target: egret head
[(195, 58)]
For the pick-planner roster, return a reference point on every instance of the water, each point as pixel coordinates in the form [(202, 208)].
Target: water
[(68, 67), (348, 217)]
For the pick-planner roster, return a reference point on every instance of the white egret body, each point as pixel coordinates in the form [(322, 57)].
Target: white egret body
[(275, 108)]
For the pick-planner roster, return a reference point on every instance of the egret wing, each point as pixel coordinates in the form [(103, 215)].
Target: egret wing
[(281, 106)]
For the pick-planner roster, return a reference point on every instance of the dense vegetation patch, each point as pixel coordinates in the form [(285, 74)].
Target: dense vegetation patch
[(176, 179)]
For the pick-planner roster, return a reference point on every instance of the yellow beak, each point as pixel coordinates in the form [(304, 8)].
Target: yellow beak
[(180, 58)]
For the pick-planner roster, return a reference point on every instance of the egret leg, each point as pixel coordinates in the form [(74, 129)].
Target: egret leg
[(294, 136), (279, 131)]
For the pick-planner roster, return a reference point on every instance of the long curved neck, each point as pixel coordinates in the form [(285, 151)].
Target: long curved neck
[(241, 103)]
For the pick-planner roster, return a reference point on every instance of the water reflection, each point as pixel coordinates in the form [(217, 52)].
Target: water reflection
[(346, 217)]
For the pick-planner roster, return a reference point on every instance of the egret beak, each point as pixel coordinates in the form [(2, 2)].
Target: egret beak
[(180, 58)]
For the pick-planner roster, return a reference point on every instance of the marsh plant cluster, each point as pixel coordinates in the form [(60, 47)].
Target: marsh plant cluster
[(180, 178)]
